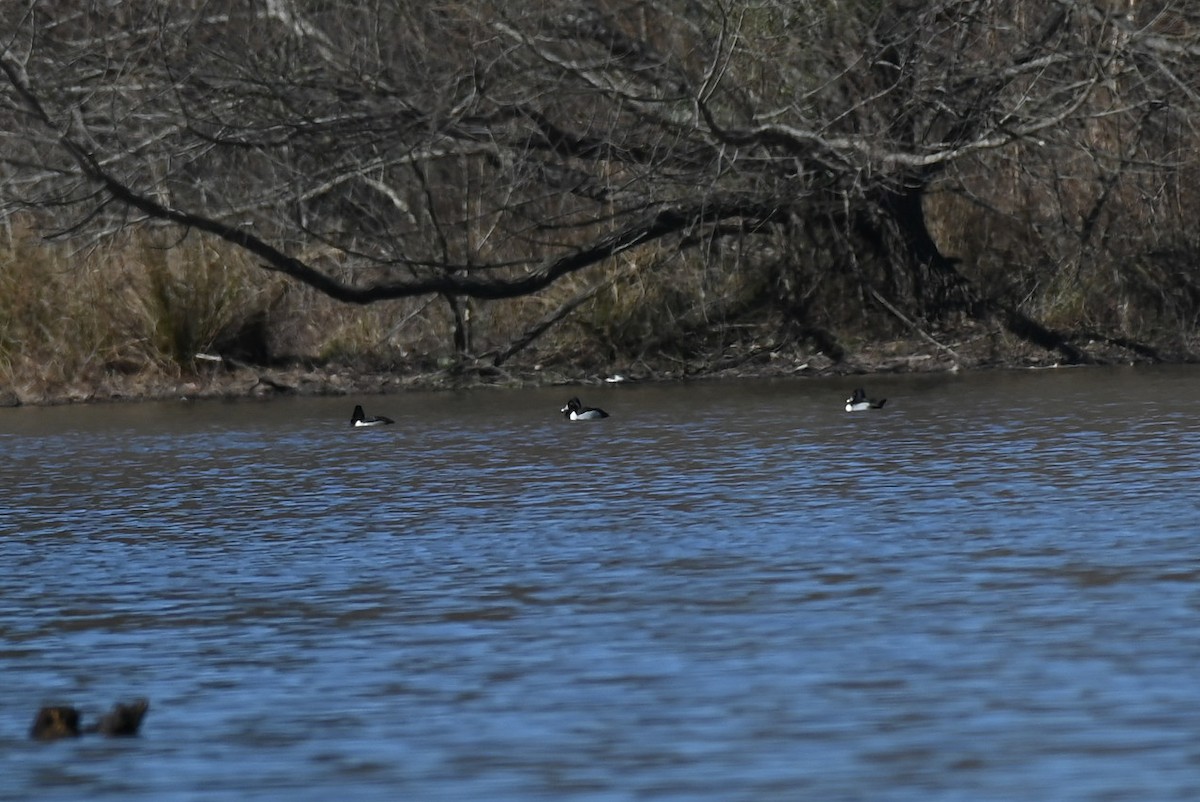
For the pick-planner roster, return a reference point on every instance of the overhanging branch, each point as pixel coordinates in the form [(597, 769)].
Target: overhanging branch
[(447, 279)]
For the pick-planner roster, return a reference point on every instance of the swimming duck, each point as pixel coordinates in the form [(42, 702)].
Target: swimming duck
[(859, 402), (63, 721), (51, 723), (577, 411), (360, 419)]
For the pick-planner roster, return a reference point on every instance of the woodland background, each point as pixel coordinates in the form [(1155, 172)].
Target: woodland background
[(486, 190)]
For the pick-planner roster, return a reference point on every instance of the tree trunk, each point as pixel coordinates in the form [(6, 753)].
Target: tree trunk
[(460, 311), (936, 287)]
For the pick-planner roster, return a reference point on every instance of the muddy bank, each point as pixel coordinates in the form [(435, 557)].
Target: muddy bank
[(227, 378)]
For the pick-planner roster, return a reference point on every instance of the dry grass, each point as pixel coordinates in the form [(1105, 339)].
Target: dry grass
[(135, 311), (142, 305), (61, 323)]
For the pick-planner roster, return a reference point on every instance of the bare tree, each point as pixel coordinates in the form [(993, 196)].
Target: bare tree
[(485, 150)]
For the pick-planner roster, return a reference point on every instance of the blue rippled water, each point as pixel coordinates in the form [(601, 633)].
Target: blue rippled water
[(988, 590)]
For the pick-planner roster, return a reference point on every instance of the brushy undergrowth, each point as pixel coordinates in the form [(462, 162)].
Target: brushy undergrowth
[(144, 305), (140, 304), (58, 317), (185, 298)]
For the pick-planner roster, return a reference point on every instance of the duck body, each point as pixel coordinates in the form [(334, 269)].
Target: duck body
[(575, 410), (858, 402), (123, 719), (359, 418), (52, 723)]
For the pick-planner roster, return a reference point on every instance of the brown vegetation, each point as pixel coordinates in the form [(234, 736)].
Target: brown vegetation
[(501, 190)]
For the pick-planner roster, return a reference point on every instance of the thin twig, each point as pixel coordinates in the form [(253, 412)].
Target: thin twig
[(924, 334), (543, 325)]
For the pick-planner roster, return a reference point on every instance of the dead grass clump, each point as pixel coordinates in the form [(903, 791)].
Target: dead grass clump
[(182, 299), (56, 316)]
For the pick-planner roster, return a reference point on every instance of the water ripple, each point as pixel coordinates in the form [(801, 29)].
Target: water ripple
[(723, 592)]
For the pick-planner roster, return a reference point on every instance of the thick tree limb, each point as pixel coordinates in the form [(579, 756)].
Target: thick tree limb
[(448, 280), (657, 225)]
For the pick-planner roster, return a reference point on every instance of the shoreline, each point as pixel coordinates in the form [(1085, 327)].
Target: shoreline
[(223, 378)]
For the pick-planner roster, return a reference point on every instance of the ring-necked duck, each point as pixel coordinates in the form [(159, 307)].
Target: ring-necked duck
[(859, 402), (360, 419), (577, 411)]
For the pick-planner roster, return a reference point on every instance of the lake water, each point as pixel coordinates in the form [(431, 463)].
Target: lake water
[(988, 590)]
